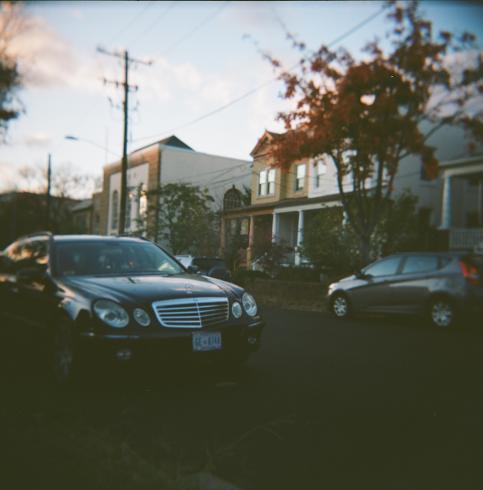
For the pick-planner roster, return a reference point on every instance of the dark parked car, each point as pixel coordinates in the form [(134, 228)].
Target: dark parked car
[(442, 286), (207, 266), (122, 298)]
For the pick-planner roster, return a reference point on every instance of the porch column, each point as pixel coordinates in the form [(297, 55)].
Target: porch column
[(446, 205), (251, 238), (300, 237), (275, 227)]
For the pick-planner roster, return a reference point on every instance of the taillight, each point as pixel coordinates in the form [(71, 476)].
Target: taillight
[(470, 273)]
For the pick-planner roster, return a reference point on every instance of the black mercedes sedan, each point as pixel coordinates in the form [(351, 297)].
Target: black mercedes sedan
[(121, 298)]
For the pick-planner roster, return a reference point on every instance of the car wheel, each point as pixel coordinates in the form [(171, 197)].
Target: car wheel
[(63, 353), (442, 313), (339, 306)]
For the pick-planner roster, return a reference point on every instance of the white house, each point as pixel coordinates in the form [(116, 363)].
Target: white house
[(166, 161)]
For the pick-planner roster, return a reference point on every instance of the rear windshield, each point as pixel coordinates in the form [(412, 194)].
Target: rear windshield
[(112, 258)]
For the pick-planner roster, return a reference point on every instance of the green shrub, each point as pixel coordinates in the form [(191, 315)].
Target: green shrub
[(242, 277), (304, 274)]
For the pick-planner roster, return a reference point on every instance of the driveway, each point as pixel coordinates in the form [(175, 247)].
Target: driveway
[(372, 403)]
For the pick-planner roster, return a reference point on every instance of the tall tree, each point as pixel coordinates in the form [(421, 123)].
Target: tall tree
[(186, 220), (366, 115), (11, 24)]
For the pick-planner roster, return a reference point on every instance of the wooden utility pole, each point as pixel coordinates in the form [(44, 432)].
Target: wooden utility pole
[(124, 55)]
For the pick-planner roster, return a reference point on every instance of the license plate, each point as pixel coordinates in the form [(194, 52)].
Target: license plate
[(206, 341)]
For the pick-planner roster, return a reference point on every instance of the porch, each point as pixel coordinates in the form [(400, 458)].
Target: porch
[(462, 203), (466, 239)]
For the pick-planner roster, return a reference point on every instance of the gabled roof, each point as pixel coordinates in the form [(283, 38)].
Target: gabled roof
[(266, 137), (169, 141)]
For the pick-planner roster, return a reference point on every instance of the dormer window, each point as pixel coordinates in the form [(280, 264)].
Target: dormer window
[(266, 182), (300, 177), (320, 171)]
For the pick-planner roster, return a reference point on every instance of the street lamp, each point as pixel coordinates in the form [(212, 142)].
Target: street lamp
[(122, 217), (71, 137)]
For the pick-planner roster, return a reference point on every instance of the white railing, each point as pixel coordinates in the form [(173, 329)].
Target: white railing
[(465, 238)]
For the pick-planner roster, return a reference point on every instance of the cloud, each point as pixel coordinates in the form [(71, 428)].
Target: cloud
[(165, 82), (252, 14), (9, 175), (77, 14), (38, 139), (46, 60)]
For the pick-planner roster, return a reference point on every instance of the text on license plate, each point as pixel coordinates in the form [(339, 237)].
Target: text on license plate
[(206, 341)]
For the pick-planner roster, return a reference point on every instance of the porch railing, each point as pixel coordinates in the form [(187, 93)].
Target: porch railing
[(465, 238)]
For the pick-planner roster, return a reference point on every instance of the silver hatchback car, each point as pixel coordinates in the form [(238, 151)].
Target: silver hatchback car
[(441, 286)]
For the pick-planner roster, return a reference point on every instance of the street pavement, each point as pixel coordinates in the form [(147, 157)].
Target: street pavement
[(369, 403)]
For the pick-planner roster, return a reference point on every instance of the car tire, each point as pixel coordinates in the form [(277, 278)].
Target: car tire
[(63, 362), (340, 306), (442, 313)]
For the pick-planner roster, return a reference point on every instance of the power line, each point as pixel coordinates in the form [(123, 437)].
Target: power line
[(196, 28), (258, 87), (131, 22), (156, 20), (126, 89)]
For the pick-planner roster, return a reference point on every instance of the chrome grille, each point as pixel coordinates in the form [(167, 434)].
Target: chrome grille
[(191, 312)]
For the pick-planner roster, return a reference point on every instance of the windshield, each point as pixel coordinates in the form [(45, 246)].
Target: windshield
[(112, 258)]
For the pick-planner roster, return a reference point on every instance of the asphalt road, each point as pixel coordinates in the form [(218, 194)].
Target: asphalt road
[(371, 403)]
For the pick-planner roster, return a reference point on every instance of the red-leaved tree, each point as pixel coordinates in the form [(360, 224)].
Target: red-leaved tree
[(367, 114)]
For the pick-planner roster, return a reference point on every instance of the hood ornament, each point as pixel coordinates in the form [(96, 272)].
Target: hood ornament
[(188, 288)]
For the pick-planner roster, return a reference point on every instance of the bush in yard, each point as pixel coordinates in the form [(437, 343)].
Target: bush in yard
[(302, 274), (332, 246)]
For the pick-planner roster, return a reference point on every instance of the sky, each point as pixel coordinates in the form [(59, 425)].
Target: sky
[(204, 56)]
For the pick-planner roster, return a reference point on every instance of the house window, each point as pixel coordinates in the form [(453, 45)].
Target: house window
[(271, 182), (232, 199), (300, 177), (142, 202), (266, 182), (262, 183), (424, 175), (114, 210), (321, 170)]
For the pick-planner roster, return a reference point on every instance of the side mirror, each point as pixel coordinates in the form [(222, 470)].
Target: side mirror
[(30, 274), (362, 275), (193, 269)]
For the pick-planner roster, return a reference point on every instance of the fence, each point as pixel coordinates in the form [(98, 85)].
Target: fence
[(465, 238)]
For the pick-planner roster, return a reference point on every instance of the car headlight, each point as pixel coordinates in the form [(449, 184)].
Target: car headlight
[(249, 304), (111, 313), (141, 317), (236, 309)]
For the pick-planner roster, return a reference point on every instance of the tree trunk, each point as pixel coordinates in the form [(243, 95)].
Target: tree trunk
[(364, 250)]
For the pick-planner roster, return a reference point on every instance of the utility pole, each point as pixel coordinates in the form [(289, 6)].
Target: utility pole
[(124, 55), (49, 190)]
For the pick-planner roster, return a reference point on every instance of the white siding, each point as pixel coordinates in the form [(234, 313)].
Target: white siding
[(215, 173), (135, 177)]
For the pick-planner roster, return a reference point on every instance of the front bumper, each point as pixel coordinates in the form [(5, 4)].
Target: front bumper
[(168, 343)]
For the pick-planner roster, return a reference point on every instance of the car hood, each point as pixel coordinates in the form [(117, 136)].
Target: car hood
[(147, 288), (346, 283)]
